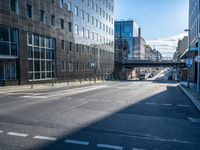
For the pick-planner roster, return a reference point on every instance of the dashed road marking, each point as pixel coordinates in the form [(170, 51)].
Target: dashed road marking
[(76, 142), (32, 96), (1, 131), (69, 98), (45, 138), (110, 146), (166, 104), (150, 103), (180, 105), (194, 120), (17, 134), (137, 149)]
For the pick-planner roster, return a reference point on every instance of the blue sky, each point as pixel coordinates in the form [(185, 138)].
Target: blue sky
[(157, 18)]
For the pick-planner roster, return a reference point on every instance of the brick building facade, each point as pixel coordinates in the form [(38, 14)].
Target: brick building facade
[(38, 42)]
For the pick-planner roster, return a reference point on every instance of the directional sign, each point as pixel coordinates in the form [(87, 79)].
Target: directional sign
[(197, 59), (189, 63)]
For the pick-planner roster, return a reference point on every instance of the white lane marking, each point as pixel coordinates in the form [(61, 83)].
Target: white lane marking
[(17, 134), (179, 105), (110, 146), (45, 138), (32, 96), (194, 120), (166, 104), (150, 103), (76, 142), (93, 99), (1, 131), (137, 149), (69, 98), (77, 91)]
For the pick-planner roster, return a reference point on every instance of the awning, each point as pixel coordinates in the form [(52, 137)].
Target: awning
[(189, 53)]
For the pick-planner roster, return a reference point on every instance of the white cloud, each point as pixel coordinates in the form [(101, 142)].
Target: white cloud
[(166, 46)]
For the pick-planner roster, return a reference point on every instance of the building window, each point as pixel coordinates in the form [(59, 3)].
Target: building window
[(82, 14), (69, 6), (76, 10), (52, 20), (96, 22), (76, 30), (29, 11), (62, 23), (100, 25), (8, 41), (96, 7), (70, 26), (41, 16), (88, 49), (70, 46), (61, 3), (106, 16), (92, 18), (14, 5), (92, 4), (41, 57), (92, 35), (82, 32), (77, 65), (8, 70), (70, 66), (88, 17), (77, 48), (83, 49), (88, 34), (62, 65), (62, 44)]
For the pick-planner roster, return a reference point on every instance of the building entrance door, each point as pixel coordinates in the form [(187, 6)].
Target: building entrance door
[(2, 70)]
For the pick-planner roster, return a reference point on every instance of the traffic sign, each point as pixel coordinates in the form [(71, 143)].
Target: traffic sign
[(197, 59)]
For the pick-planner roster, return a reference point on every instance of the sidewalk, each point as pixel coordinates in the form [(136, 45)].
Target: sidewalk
[(46, 86), (191, 93)]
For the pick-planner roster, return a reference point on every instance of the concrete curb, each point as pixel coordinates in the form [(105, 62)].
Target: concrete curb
[(192, 98), (27, 88)]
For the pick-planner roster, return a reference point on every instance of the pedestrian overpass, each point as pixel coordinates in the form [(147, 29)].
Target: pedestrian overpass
[(146, 63)]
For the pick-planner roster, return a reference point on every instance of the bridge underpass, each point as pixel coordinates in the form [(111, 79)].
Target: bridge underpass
[(147, 64), (125, 70)]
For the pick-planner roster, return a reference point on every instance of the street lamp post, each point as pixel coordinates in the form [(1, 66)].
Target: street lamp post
[(188, 30)]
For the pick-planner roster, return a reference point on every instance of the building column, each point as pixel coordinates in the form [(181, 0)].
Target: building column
[(198, 69)]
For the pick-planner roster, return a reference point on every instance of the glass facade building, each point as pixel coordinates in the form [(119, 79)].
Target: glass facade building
[(194, 22), (93, 23), (124, 33)]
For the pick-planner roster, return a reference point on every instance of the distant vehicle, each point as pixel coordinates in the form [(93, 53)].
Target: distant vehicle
[(142, 77)]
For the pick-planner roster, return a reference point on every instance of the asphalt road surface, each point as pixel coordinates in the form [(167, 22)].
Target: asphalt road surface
[(135, 115)]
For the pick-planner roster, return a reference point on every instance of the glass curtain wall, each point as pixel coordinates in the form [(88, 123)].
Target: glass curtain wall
[(41, 57)]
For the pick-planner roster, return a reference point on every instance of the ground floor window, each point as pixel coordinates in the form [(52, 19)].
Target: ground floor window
[(41, 57), (8, 41), (7, 69)]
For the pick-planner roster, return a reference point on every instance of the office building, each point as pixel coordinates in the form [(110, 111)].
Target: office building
[(181, 47), (125, 31), (193, 33), (125, 47), (46, 40)]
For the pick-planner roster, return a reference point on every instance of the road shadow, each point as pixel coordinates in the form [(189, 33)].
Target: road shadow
[(133, 124)]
